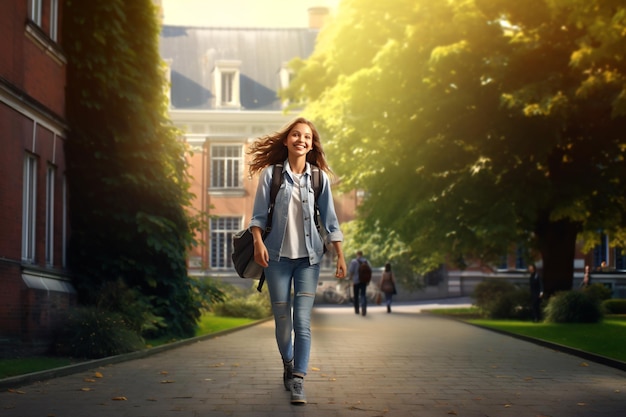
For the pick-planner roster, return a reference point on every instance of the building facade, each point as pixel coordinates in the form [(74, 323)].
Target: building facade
[(224, 95), (33, 211)]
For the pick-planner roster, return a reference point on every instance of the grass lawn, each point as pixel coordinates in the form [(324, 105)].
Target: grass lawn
[(209, 323), (606, 338)]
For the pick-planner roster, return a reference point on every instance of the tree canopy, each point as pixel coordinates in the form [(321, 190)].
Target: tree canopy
[(128, 186), (475, 125)]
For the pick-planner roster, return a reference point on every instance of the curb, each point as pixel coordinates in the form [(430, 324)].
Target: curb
[(20, 380)]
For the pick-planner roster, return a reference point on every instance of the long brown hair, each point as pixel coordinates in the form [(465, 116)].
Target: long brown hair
[(270, 149)]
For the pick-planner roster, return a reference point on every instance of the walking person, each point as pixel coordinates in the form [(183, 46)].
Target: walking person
[(586, 282), (292, 250), (356, 272), (388, 285), (536, 292)]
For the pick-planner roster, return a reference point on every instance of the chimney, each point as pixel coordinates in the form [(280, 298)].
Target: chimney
[(317, 17)]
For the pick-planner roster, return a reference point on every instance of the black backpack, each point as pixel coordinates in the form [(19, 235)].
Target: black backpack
[(365, 272)]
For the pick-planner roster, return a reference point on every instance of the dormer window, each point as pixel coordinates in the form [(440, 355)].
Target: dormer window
[(285, 75), (226, 81)]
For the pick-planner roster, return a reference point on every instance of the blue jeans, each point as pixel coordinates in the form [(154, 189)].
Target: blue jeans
[(279, 276)]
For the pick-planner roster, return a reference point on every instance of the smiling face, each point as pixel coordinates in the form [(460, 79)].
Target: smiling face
[(299, 141)]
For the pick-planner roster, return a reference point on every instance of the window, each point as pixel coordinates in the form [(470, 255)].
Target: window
[(54, 19), (285, 76), (29, 205), (226, 83), (50, 215), (227, 87), (601, 251), (520, 261), (35, 11), (222, 231), (226, 163), (620, 258)]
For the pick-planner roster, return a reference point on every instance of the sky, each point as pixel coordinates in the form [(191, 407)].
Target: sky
[(241, 13)]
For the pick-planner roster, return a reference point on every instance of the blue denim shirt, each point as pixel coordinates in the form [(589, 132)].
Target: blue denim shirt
[(328, 217)]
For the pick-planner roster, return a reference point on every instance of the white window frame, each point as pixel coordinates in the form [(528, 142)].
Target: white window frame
[(29, 208), (50, 178), (226, 82), (35, 11), (227, 162), (222, 230)]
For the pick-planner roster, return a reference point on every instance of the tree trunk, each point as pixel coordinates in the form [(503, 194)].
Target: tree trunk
[(557, 244)]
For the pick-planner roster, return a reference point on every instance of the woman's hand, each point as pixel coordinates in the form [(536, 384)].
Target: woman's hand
[(342, 269), (261, 256)]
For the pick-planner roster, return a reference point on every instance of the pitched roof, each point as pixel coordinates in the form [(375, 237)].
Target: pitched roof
[(194, 51)]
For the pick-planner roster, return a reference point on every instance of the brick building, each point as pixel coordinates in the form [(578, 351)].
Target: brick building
[(33, 214)]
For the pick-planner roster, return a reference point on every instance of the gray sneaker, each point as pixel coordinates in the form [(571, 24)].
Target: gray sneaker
[(297, 391), (288, 375)]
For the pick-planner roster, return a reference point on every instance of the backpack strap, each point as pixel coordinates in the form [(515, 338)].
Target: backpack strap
[(277, 179), (316, 181)]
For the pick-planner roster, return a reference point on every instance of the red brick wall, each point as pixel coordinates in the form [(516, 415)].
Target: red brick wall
[(32, 108)]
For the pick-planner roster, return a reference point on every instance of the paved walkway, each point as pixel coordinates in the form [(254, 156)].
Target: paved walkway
[(400, 364)]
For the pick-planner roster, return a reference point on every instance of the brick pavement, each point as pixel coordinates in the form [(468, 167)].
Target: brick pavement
[(400, 364)]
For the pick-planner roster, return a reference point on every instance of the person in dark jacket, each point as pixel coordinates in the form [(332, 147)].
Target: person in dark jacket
[(536, 292)]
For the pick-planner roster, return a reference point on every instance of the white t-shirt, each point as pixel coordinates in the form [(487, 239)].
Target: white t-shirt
[(294, 245)]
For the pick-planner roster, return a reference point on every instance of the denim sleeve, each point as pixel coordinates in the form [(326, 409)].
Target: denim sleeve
[(327, 211), (262, 200)]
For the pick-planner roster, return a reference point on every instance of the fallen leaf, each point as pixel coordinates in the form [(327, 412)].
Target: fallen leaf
[(217, 365), (119, 399), (507, 405), (584, 364), (98, 375), (617, 390), (164, 372), (167, 381), (581, 404), (528, 378), (85, 389), (332, 379), (89, 380), (315, 369), (15, 391)]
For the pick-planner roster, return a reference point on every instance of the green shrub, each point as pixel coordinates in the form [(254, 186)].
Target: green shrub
[(91, 333), (598, 291), (573, 307), (244, 303), (615, 306), (488, 296), (511, 305)]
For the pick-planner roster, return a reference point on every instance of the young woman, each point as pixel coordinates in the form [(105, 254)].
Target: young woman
[(293, 249), (388, 285)]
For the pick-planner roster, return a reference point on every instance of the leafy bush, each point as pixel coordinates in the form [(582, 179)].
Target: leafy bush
[(511, 305), (615, 306), (488, 296), (244, 303), (91, 333), (573, 307), (598, 291)]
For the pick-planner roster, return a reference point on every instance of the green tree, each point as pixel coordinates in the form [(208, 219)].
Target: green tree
[(128, 187), (474, 125)]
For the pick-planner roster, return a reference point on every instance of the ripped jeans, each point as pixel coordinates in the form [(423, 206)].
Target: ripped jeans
[(279, 275)]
